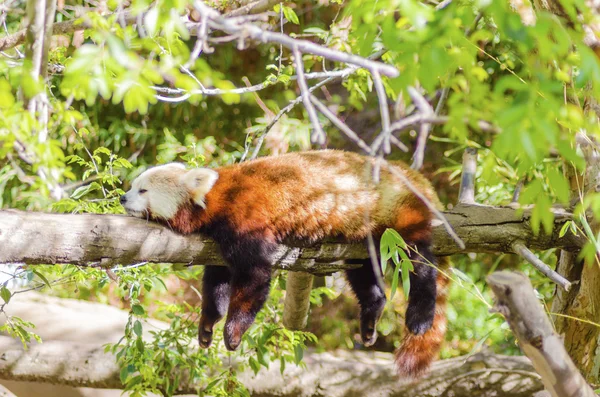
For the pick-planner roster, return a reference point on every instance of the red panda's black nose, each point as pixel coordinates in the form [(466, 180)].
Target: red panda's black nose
[(123, 199)]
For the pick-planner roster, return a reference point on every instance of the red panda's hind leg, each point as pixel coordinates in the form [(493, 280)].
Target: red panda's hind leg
[(370, 297), (215, 300), (422, 296), (250, 265)]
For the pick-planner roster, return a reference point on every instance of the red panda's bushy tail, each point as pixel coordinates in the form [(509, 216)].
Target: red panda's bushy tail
[(417, 352)]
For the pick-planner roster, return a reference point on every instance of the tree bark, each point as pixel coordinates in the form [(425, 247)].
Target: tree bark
[(331, 374), (516, 300), (297, 300), (64, 358), (106, 240)]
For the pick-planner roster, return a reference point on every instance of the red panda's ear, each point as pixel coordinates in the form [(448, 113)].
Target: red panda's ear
[(175, 165), (199, 181)]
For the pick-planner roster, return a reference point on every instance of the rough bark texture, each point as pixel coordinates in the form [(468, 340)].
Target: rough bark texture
[(39, 238), (583, 302), (516, 300), (297, 300), (337, 374), (327, 374), (62, 360)]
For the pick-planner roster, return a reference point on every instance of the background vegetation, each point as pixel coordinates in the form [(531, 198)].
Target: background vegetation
[(514, 83)]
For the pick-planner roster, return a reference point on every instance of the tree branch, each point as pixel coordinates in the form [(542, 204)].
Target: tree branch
[(520, 249), (358, 373), (106, 240), (516, 300), (232, 26), (466, 193)]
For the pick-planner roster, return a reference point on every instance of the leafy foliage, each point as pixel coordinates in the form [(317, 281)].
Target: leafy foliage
[(129, 95)]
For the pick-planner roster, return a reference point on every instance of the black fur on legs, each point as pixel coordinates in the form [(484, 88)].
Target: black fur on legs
[(215, 300), (422, 296), (370, 297), (249, 260)]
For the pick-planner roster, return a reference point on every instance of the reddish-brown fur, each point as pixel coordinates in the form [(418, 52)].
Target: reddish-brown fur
[(274, 197), (417, 352), (310, 196)]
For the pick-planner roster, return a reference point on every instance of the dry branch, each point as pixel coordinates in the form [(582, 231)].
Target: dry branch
[(338, 374), (466, 193), (297, 300), (516, 300), (41, 238), (520, 249)]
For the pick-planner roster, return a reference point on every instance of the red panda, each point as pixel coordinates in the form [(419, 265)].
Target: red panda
[(249, 208)]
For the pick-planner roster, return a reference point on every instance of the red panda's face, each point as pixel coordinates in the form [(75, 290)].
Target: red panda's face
[(161, 191)]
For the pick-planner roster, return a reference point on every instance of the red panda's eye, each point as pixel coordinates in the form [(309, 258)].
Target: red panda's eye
[(142, 191)]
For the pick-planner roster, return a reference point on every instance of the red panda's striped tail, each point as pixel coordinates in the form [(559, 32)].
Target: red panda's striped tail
[(417, 352)]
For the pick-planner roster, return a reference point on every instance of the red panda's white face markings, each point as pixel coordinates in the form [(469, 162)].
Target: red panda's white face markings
[(161, 191)]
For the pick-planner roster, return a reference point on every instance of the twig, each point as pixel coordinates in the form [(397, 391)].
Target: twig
[(438, 214), (253, 8), (382, 162), (466, 193), (200, 42), (318, 134), (185, 94), (517, 192), (261, 135), (520, 249), (407, 122), (340, 124), (228, 25), (384, 110), (425, 109)]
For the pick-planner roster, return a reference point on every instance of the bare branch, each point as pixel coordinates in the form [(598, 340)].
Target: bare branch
[(517, 302), (261, 135), (466, 193), (426, 110), (318, 134), (185, 94), (384, 110), (254, 7), (341, 125), (200, 42), (524, 252), (231, 26)]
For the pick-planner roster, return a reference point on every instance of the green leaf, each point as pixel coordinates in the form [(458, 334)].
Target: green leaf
[(298, 354), (5, 294), (254, 365), (559, 185), (290, 15), (124, 374), (138, 310), (42, 277), (137, 328), (407, 267)]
